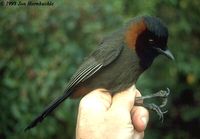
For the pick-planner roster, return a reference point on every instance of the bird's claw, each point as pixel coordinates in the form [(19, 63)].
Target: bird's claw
[(157, 109), (163, 94)]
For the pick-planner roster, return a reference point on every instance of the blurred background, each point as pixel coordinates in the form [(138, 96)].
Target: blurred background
[(41, 47)]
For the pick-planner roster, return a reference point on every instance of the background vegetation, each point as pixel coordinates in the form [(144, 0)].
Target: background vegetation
[(41, 47)]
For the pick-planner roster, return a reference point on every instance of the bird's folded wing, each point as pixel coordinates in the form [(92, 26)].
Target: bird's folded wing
[(96, 61)]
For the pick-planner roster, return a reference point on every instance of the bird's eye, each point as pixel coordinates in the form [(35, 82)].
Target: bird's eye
[(151, 40)]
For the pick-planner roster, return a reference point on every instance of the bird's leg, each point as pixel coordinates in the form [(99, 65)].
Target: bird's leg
[(160, 94)]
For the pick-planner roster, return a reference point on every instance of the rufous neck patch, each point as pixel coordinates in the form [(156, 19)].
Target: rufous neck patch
[(132, 33)]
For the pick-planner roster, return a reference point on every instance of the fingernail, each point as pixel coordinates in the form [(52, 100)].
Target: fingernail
[(144, 120)]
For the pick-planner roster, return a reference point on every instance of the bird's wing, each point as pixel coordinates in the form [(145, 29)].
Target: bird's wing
[(98, 59), (83, 73)]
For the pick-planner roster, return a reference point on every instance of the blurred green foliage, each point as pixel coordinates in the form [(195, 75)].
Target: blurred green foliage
[(41, 47)]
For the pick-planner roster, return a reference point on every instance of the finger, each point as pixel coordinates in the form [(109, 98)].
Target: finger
[(124, 100), (138, 135), (91, 108), (97, 100), (140, 118)]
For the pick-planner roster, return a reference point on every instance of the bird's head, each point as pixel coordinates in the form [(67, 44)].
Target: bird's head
[(148, 37)]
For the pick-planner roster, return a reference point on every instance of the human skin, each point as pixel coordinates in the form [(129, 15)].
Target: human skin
[(103, 116)]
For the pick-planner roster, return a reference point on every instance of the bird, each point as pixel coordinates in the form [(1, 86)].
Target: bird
[(117, 62)]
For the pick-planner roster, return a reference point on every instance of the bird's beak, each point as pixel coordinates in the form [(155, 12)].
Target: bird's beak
[(166, 52)]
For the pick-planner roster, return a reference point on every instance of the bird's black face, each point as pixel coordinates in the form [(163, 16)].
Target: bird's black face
[(149, 46), (152, 42)]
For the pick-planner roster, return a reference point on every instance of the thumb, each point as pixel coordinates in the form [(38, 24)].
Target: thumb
[(125, 99)]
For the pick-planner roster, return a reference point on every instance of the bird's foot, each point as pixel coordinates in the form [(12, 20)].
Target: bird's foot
[(162, 94), (157, 109)]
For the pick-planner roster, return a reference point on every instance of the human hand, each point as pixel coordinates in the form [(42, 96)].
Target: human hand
[(102, 116)]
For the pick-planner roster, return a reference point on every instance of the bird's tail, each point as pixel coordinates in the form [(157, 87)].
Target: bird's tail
[(48, 110)]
